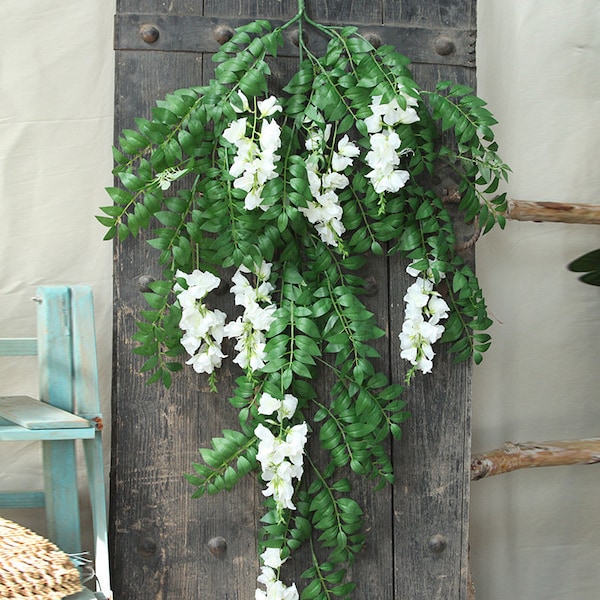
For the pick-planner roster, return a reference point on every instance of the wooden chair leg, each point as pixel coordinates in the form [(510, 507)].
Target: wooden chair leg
[(62, 498), (95, 471)]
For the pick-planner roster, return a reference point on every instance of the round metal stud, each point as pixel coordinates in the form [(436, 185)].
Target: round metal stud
[(217, 546), (437, 543), (444, 46), (149, 33), (371, 286), (373, 39), (295, 37), (223, 34), (147, 547), (143, 282)]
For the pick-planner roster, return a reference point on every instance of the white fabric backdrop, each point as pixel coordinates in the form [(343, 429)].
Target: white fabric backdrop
[(533, 532)]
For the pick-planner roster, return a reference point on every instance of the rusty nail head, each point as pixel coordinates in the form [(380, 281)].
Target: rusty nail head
[(143, 282), (444, 46), (437, 543), (295, 37), (373, 39), (223, 34), (371, 286), (149, 33), (147, 547), (217, 546)]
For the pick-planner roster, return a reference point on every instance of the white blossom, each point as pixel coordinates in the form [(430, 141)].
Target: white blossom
[(236, 131), (271, 557), (268, 107), (203, 329), (255, 161), (424, 309), (267, 405)]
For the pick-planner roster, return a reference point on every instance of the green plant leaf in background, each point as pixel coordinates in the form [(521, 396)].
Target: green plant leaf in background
[(589, 264)]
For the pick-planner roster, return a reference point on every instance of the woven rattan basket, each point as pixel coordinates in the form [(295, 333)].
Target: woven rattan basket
[(33, 567)]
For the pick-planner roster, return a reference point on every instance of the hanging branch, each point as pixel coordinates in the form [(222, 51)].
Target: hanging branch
[(554, 212), (535, 454), (293, 193)]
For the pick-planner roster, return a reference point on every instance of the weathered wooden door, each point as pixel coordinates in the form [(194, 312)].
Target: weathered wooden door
[(166, 545)]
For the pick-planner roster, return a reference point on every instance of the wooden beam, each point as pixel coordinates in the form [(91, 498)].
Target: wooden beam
[(556, 212), (535, 454)]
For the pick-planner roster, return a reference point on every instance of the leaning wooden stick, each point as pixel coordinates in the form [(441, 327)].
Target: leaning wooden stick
[(557, 212), (533, 454)]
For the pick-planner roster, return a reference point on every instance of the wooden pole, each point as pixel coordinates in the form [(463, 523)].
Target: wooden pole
[(557, 212), (535, 454)]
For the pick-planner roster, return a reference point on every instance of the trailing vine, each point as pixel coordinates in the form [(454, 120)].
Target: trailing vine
[(290, 193)]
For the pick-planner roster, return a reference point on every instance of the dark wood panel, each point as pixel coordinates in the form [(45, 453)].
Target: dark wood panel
[(346, 11), (178, 33), (438, 13), (257, 9), (159, 534), (178, 7)]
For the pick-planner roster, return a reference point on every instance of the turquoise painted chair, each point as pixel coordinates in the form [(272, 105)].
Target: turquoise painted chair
[(68, 409)]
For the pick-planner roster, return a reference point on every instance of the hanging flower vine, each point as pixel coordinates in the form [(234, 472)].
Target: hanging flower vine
[(290, 193)]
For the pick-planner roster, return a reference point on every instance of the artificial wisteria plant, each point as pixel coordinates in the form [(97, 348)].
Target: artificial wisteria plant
[(285, 196)]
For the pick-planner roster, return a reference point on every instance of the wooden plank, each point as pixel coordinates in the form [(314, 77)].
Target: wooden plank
[(85, 363), (178, 33), (159, 534), (18, 346), (56, 371), (431, 13), (33, 414), (18, 433), (22, 500), (431, 497), (54, 347)]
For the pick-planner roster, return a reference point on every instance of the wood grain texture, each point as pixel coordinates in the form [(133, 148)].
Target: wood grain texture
[(159, 534), (523, 455)]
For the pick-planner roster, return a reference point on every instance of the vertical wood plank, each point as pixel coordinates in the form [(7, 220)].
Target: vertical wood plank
[(431, 497)]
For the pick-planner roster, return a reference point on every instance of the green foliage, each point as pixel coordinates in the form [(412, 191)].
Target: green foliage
[(175, 181), (589, 265)]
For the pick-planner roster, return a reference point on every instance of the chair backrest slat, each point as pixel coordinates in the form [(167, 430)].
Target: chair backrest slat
[(55, 347), (18, 347), (85, 363)]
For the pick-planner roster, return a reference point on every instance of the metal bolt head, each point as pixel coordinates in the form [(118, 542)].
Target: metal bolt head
[(373, 39), (143, 282), (223, 34), (444, 46), (295, 37), (147, 547), (437, 543), (217, 546), (371, 286), (149, 33)]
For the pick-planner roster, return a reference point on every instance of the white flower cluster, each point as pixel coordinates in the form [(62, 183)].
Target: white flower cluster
[(384, 156), (250, 328), (275, 589), (424, 310), (281, 458), (255, 161), (203, 328), (325, 212)]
